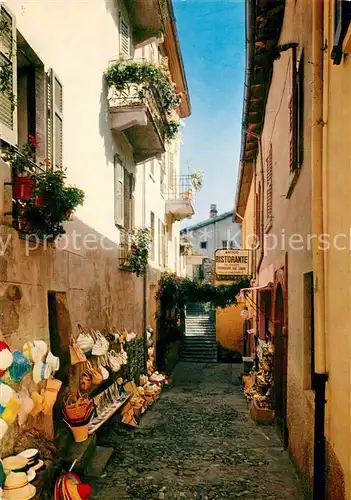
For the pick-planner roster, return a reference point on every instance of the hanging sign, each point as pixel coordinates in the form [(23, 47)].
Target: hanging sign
[(232, 263)]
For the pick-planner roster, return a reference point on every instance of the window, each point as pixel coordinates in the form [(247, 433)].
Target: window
[(124, 37), (269, 185), (119, 191), (161, 243), (296, 113), (300, 110), (203, 245), (342, 20), (309, 331), (54, 119), (8, 63), (124, 196), (232, 244), (224, 243), (152, 227)]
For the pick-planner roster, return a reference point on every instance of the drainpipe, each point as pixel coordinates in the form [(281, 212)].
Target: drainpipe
[(145, 275), (320, 375)]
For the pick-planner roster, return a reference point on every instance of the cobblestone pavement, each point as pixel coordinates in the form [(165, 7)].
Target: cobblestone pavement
[(198, 442)]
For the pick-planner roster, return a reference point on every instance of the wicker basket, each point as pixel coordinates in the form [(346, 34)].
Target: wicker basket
[(263, 416)]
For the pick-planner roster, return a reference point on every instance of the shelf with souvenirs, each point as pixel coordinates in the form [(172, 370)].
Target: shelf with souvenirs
[(258, 385), (28, 391), (104, 369)]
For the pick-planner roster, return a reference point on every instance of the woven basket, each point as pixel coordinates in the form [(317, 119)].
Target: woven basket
[(75, 407)]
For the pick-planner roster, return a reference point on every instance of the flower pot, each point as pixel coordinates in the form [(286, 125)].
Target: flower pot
[(69, 213), (22, 187), (264, 416), (80, 433)]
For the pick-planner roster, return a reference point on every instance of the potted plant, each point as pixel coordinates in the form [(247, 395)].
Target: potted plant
[(139, 251), (52, 204), (197, 180), (22, 167)]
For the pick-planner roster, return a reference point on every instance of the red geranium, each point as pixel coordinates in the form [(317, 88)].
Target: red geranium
[(33, 141)]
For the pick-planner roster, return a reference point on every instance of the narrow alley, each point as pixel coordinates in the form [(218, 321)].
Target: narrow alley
[(198, 442)]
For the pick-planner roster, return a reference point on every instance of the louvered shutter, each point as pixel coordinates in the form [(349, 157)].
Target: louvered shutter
[(54, 127), (119, 192), (269, 185), (132, 201), (8, 63), (127, 206), (124, 36)]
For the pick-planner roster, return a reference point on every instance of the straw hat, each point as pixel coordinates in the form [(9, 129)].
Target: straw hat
[(11, 410), (38, 401), (17, 463), (6, 357), (41, 371), (6, 393), (27, 405), (53, 362), (17, 487), (20, 366)]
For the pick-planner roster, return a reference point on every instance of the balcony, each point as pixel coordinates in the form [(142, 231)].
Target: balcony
[(180, 198), (137, 111), (147, 17)]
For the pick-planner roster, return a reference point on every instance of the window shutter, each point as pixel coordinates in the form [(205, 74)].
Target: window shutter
[(269, 192), (132, 201), (124, 38), (119, 192), (8, 63), (127, 206), (54, 141)]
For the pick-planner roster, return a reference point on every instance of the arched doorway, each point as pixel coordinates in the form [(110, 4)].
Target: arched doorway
[(280, 363)]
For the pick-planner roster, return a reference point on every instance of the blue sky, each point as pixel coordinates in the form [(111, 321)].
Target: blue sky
[(212, 38)]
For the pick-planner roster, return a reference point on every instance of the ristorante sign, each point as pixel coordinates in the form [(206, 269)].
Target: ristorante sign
[(232, 263)]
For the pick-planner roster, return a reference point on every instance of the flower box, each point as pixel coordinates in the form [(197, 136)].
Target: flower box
[(264, 416)]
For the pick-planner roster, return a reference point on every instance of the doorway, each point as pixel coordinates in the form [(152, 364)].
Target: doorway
[(280, 365)]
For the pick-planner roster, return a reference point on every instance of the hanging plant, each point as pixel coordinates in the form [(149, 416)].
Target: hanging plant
[(139, 251), (52, 204), (197, 180), (127, 72)]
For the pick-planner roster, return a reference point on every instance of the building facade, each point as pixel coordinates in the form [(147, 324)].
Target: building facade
[(218, 231), (295, 128), (114, 148)]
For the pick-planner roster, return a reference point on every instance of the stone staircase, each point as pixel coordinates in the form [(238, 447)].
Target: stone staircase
[(200, 335)]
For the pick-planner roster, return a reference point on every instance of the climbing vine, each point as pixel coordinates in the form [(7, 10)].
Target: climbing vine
[(175, 291)]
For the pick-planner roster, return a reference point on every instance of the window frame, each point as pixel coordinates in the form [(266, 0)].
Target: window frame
[(203, 245), (342, 21), (10, 135), (118, 182)]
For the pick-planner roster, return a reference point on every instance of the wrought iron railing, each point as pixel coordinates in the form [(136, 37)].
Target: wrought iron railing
[(179, 187), (124, 248), (136, 95)]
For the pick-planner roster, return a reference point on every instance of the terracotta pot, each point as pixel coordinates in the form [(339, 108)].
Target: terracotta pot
[(263, 416), (22, 187)]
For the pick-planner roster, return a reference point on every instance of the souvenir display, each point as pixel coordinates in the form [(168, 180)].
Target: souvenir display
[(27, 406), (20, 366), (70, 486), (17, 487), (258, 385), (6, 357)]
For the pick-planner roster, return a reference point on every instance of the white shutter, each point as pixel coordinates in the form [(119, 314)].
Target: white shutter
[(124, 38), (8, 62), (54, 139), (119, 192)]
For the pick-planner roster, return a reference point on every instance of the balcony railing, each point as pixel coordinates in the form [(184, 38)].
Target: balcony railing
[(124, 249), (179, 196), (139, 112)]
